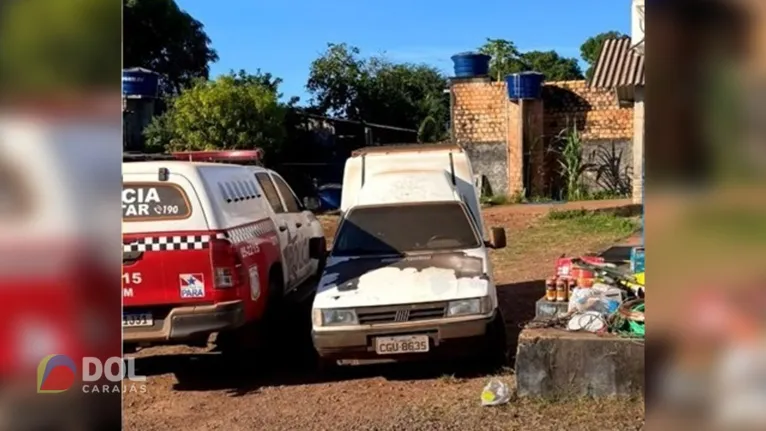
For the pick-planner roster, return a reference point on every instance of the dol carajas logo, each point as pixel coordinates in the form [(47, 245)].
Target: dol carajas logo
[(56, 373)]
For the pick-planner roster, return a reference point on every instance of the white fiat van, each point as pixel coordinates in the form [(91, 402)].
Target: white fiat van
[(409, 274)]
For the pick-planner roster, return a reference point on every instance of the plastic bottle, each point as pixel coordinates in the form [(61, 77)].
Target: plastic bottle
[(571, 285)]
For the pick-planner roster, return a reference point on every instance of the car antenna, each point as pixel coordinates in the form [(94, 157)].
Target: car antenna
[(363, 155), (452, 169)]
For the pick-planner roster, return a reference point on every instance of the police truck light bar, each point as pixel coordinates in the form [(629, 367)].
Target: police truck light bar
[(239, 157)]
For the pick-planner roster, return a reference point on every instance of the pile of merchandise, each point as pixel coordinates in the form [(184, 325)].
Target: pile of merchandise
[(601, 296)]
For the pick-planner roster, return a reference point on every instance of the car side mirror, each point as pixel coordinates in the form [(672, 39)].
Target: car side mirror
[(317, 248), (497, 237), (311, 203)]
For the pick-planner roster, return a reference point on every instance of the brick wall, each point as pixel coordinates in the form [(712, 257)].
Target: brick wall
[(504, 138), (480, 111), (598, 115), (480, 123), (606, 129)]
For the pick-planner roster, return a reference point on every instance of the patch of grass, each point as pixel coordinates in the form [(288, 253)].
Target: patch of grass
[(495, 200), (599, 223), (566, 214), (541, 199), (521, 198), (604, 195)]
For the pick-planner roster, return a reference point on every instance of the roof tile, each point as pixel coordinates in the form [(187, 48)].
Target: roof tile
[(618, 65)]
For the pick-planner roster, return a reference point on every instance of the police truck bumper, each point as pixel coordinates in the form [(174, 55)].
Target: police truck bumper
[(458, 336), (182, 323)]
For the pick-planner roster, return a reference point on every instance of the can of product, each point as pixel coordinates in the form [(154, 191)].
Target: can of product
[(550, 289), (561, 291)]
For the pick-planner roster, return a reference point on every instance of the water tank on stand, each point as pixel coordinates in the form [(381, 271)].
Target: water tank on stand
[(524, 85), (471, 64), (139, 83), (140, 90)]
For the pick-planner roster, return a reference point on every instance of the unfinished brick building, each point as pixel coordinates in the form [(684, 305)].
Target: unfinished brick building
[(508, 140)]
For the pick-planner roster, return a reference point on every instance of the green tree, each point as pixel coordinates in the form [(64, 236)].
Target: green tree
[(376, 90), (591, 49), (335, 80), (59, 46), (236, 111), (507, 59), (552, 65), (162, 37)]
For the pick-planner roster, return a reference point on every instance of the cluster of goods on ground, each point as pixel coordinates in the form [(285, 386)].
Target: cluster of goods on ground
[(601, 297)]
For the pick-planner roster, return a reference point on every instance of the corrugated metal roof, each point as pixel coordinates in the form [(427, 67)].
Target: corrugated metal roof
[(618, 65)]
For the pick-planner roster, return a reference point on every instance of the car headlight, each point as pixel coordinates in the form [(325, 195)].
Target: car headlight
[(465, 307), (338, 317)]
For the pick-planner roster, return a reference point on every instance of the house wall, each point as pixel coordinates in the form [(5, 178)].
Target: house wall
[(501, 135)]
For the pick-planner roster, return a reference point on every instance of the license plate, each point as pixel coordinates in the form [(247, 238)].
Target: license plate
[(402, 344), (138, 319)]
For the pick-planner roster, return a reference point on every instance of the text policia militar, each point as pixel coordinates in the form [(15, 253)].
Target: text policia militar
[(141, 201)]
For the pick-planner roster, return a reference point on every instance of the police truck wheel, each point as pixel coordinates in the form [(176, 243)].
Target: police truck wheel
[(242, 347), (275, 299)]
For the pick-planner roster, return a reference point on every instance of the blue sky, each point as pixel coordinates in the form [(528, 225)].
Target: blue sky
[(283, 37)]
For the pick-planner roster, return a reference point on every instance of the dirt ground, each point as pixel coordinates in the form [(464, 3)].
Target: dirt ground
[(192, 389)]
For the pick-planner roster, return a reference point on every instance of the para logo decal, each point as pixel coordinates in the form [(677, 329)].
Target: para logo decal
[(192, 285)]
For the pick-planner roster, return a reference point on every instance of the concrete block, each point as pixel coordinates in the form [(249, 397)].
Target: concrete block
[(545, 309), (554, 363)]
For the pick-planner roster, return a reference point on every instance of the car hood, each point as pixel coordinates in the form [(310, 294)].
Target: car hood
[(370, 281)]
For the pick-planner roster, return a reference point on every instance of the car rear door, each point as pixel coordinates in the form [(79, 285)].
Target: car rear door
[(301, 221), (285, 231), (166, 246)]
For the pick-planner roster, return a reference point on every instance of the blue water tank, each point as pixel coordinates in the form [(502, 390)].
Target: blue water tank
[(140, 83), (524, 85), (471, 64)]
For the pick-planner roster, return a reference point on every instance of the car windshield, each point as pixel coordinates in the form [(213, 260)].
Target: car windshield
[(401, 229)]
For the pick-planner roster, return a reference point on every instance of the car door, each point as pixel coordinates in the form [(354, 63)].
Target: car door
[(298, 219), (286, 234)]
